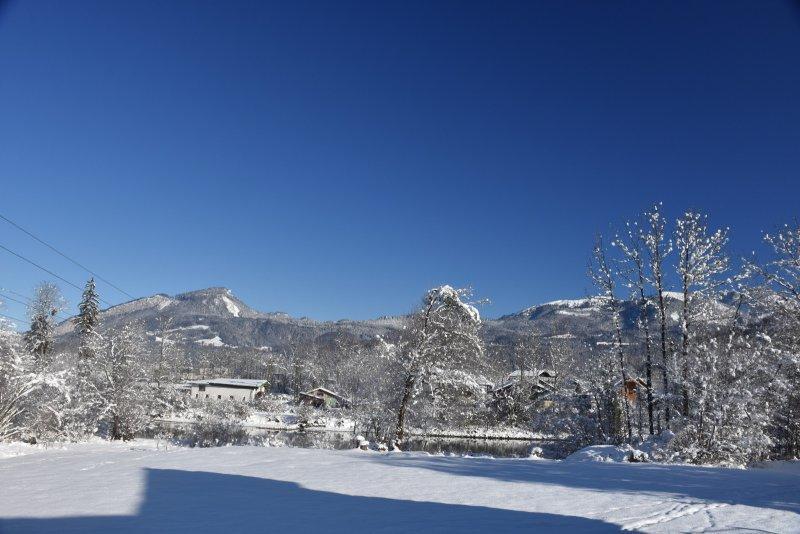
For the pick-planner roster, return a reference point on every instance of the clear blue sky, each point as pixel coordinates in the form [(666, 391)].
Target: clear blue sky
[(336, 160)]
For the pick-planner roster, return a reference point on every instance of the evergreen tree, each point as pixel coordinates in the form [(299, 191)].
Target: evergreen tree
[(84, 404), (88, 310)]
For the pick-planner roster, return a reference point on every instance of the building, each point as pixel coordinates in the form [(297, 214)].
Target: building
[(634, 388), (237, 389), (323, 398), (536, 382)]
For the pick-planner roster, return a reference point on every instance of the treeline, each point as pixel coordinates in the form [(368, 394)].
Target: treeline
[(710, 370), (722, 371)]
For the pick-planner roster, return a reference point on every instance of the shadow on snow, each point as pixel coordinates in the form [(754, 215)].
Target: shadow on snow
[(752, 487), (195, 501)]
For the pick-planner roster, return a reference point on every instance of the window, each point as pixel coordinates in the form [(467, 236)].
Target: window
[(244, 399), (219, 396), (196, 395), (231, 397), (201, 388), (206, 395)]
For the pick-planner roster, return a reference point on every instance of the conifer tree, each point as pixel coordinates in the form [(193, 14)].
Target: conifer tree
[(88, 310)]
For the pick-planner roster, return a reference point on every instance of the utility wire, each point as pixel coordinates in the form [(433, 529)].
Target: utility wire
[(20, 295), (54, 249), (12, 318), (3, 296), (48, 271), (6, 297)]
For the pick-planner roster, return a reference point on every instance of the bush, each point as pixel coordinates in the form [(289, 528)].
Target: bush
[(217, 424)]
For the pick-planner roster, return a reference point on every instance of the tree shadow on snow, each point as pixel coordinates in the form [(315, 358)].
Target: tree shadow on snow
[(198, 502), (752, 487)]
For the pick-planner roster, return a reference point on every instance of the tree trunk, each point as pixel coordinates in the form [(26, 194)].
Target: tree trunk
[(662, 312), (115, 430), (648, 351), (408, 388), (685, 349), (621, 355)]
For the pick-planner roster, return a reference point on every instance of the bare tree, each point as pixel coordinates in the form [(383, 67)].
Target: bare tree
[(701, 260), (658, 248), (603, 277), (632, 247)]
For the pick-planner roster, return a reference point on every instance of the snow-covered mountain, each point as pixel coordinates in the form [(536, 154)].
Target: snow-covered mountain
[(215, 317)]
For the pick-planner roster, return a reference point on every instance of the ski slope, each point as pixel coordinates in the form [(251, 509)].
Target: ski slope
[(134, 487)]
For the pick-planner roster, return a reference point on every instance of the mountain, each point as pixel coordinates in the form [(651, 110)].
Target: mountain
[(587, 320), (215, 317)]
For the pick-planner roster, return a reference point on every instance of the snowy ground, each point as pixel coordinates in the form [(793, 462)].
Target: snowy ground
[(102, 487)]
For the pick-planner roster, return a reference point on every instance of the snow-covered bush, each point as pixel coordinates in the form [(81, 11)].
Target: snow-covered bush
[(216, 424)]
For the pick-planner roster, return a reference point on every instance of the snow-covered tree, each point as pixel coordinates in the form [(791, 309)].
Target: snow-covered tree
[(46, 303), (124, 383), (658, 248), (17, 382), (88, 318), (442, 337), (774, 292), (604, 278), (701, 262), (632, 247)]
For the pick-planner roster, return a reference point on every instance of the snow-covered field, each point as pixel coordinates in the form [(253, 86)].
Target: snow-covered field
[(103, 487)]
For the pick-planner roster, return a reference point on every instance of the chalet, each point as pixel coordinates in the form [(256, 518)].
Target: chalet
[(634, 387), (537, 382), (237, 389), (323, 398)]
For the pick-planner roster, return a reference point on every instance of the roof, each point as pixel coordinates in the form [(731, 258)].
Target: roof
[(534, 372), (251, 383), (310, 393), (514, 378)]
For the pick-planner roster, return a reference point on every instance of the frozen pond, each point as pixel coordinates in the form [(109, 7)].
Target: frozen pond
[(328, 439)]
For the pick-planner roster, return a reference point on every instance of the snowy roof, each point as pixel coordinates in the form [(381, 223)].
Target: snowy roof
[(540, 372), (514, 378), (253, 383), (310, 392)]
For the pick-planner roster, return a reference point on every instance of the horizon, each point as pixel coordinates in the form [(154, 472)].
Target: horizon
[(340, 169)]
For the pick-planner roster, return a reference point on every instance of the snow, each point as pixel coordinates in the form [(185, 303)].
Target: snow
[(143, 487), (569, 303), (447, 291), (241, 382), (192, 327), (605, 453), (232, 307), (215, 341)]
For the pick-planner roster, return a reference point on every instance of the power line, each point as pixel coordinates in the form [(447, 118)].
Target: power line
[(3, 296), (12, 318), (54, 249), (20, 295), (6, 297), (48, 271)]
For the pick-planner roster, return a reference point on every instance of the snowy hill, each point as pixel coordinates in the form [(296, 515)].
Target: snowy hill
[(215, 317)]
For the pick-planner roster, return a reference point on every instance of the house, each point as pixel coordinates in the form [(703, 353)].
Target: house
[(238, 389), (537, 382), (633, 388), (323, 398)]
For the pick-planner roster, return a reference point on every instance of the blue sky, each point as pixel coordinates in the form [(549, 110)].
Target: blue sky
[(336, 160)]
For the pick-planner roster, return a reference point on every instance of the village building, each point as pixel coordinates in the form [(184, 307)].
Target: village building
[(235, 389), (323, 398), (535, 382)]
